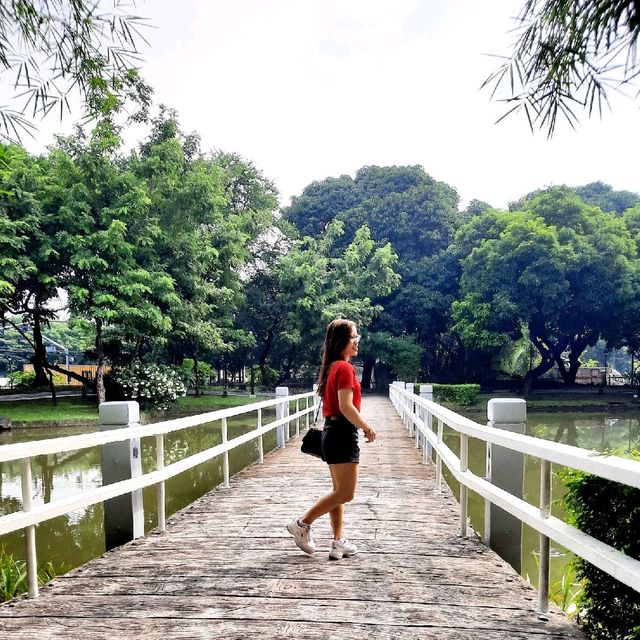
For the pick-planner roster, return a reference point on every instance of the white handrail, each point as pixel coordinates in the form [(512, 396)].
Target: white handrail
[(73, 443), (610, 560), (21, 519)]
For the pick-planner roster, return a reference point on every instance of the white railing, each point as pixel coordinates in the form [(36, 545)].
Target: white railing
[(418, 415), (31, 515)]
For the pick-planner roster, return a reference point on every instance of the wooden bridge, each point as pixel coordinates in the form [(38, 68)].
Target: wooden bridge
[(227, 568)]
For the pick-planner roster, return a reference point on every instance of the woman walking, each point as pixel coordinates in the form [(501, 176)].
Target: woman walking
[(341, 395)]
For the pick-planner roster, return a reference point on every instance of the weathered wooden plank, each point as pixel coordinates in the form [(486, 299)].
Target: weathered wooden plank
[(493, 595), (185, 629), (294, 609)]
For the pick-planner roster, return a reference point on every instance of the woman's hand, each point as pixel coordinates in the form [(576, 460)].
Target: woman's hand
[(369, 433)]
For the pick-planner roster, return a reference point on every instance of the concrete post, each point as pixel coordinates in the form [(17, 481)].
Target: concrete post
[(426, 392), (124, 515), (282, 410), (505, 469)]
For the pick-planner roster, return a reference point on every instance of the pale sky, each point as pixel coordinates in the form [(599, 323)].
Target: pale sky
[(308, 89)]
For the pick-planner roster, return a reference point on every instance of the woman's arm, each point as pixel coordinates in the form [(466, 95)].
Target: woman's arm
[(348, 410)]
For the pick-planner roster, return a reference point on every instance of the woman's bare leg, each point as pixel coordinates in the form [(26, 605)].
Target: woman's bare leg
[(345, 479), (337, 513)]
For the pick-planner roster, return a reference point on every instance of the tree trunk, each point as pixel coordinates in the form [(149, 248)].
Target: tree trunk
[(101, 359), (262, 361), (196, 374), (367, 370), (39, 359)]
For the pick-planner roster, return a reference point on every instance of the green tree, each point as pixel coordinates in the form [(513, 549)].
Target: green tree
[(29, 253), (54, 47), (568, 55), (211, 209), (418, 216), (290, 301), (105, 232), (559, 266)]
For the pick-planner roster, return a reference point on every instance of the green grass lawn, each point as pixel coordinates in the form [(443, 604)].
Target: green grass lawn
[(43, 410), (86, 409), (202, 404)]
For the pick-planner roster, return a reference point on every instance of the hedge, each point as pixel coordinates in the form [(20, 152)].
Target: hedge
[(462, 394), (610, 512)]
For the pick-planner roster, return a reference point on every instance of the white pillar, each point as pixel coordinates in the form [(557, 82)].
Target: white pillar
[(505, 469), (282, 411), (123, 515)]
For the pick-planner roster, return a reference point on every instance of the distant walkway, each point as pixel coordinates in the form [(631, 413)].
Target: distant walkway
[(227, 568)]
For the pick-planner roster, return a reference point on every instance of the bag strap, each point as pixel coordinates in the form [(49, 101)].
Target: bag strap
[(317, 412)]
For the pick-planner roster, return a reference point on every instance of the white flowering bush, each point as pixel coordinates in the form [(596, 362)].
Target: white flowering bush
[(152, 385)]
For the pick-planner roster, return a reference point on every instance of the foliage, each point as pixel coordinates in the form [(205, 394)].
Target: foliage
[(569, 54), (317, 280), (610, 512), (417, 216), (401, 353), (462, 394), (558, 267), (187, 374), (153, 385), (22, 380), (13, 575), (55, 46)]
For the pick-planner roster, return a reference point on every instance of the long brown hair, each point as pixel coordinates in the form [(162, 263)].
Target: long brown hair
[(336, 338)]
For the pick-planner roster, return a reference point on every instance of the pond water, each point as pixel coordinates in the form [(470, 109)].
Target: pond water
[(73, 539)]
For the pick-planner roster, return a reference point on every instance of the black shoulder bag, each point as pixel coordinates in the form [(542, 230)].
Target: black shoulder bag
[(312, 439)]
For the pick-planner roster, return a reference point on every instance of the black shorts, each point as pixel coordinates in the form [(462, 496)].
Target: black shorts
[(340, 442)]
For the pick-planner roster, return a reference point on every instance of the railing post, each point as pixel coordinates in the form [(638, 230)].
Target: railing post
[(297, 417), (306, 412), (426, 392), (316, 402), (401, 404), (410, 388), (124, 515), (282, 411), (225, 455), (260, 439), (464, 466), (505, 469), (30, 532), (162, 520), (438, 458), (545, 512)]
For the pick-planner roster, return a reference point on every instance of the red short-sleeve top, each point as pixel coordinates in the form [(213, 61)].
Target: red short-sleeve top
[(342, 375)]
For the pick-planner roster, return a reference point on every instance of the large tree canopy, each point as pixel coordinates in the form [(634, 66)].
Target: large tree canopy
[(559, 270), (418, 216), (569, 53)]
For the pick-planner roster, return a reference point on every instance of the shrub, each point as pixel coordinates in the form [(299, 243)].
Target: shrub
[(610, 512), (22, 380), (462, 394), (13, 575), (152, 385)]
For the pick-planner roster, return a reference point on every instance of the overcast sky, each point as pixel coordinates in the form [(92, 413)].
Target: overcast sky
[(314, 88)]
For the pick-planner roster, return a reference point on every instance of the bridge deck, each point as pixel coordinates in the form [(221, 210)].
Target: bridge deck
[(227, 568)]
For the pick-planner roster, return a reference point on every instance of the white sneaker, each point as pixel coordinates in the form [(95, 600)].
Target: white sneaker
[(340, 548), (302, 536)]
